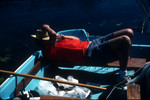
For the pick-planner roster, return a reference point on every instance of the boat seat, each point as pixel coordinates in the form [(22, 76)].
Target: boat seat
[(132, 63)]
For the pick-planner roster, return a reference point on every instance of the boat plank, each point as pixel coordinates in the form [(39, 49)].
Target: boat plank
[(133, 92), (132, 62), (26, 80)]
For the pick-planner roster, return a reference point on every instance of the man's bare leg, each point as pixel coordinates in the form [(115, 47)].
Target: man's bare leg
[(128, 32), (122, 45)]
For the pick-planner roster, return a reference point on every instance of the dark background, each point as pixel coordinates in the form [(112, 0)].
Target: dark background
[(20, 18)]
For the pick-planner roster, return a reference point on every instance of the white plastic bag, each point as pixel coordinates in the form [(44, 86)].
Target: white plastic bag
[(48, 88)]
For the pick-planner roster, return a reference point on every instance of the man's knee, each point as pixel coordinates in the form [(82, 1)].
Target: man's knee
[(126, 40), (130, 32)]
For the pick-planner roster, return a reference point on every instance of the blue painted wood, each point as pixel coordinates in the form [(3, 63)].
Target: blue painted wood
[(8, 87)]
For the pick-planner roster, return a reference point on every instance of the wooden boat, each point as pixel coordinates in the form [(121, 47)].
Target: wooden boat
[(101, 76)]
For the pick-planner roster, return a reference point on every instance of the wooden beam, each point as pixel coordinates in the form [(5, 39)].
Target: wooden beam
[(133, 92), (132, 62), (25, 81), (53, 80)]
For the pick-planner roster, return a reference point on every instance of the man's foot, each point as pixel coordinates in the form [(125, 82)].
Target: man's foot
[(127, 78), (123, 80)]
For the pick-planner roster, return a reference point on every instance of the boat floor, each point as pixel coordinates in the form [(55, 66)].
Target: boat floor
[(93, 75)]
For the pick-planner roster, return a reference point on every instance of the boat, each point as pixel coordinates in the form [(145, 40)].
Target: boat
[(100, 76)]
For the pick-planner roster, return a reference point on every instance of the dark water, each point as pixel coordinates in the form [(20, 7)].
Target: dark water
[(20, 18)]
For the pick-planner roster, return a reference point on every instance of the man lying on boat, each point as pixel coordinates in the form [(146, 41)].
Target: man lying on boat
[(111, 47)]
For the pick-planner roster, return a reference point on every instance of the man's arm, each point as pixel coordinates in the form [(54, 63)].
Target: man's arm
[(61, 37), (51, 33), (72, 37)]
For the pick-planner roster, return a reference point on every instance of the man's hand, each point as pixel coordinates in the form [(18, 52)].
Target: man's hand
[(60, 37)]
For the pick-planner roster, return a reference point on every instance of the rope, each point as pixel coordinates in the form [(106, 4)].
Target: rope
[(114, 87)]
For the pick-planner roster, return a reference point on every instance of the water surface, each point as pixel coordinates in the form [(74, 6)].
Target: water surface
[(19, 19)]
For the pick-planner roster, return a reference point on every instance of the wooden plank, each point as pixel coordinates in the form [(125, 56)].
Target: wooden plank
[(44, 97), (133, 92), (53, 80), (25, 81), (132, 62)]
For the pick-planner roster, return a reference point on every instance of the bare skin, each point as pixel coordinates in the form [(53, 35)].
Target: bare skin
[(121, 43), (128, 32)]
